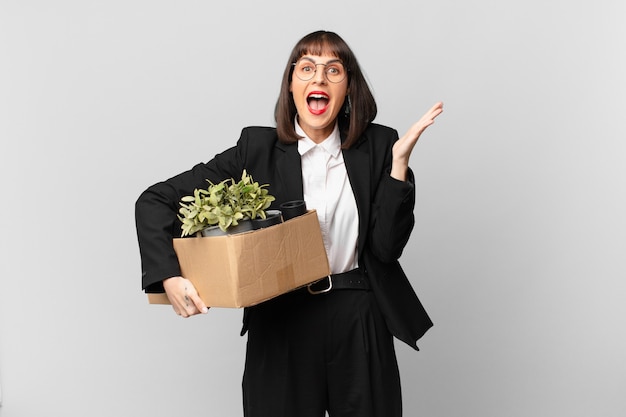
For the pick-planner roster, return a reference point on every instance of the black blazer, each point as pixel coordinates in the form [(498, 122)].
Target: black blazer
[(385, 208)]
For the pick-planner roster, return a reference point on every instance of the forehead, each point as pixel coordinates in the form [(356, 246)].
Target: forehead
[(319, 49)]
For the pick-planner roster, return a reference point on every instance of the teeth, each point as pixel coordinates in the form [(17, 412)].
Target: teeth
[(318, 96)]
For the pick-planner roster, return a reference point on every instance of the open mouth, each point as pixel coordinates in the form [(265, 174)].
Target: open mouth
[(317, 102)]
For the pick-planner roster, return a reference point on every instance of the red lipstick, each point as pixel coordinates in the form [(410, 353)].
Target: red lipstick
[(317, 102)]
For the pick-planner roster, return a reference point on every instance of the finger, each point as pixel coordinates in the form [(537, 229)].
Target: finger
[(177, 306), (189, 307), (193, 304), (185, 308), (182, 305), (436, 107), (432, 113), (436, 110), (428, 118), (418, 128), (198, 303), (181, 311)]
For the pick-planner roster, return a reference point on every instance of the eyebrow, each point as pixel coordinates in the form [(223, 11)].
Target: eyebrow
[(324, 63)]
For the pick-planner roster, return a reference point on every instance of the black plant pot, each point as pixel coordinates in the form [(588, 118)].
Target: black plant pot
[(242, 226), (272, 217)]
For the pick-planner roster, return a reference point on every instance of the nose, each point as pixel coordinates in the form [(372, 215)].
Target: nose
[(320, 74)]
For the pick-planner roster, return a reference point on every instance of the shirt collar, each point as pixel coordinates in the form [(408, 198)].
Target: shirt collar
[(332, 144)]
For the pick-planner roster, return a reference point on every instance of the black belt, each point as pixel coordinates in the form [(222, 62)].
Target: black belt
[(355, 279)]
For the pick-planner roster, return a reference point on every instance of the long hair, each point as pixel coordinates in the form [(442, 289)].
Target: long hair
[(357, 111)]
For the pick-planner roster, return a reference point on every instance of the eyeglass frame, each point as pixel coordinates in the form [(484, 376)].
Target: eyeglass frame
[(332, 61)]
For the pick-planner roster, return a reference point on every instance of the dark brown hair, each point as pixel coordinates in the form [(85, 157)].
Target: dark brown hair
[(362, 109)]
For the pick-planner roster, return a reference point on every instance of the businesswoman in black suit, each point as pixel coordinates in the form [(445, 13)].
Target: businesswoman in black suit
[(328, 347)]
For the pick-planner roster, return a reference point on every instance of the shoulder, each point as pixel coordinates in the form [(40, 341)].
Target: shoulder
[(375, 128), (259, 133), (257, 137), (380, 133), (378, 136), (263, 139), (262, 143)]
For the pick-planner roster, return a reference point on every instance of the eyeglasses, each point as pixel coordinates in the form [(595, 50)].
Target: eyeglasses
[(306, 68)]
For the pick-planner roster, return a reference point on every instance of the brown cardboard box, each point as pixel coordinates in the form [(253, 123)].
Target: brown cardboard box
[(245, 269)]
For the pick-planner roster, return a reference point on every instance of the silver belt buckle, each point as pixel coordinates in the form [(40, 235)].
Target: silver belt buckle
[(330, 286)]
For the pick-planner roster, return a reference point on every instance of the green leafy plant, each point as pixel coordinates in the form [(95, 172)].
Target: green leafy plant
[(224, 204)]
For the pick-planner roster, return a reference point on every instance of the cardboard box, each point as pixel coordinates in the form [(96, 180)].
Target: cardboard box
[(245, 269)]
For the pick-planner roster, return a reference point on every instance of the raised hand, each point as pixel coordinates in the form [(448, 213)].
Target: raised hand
[(404, 146)]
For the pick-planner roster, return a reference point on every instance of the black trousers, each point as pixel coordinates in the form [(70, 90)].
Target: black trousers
[(308, 354)]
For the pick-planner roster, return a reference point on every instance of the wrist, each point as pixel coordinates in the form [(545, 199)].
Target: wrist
[(399, 170), (170, 281)]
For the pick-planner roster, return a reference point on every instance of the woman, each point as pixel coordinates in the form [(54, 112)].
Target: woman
[(314, 351)]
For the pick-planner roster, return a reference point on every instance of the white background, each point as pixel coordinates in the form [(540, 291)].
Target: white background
[(519, 248)]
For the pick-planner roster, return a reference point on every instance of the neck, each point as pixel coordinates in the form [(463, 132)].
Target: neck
[(318, 135)]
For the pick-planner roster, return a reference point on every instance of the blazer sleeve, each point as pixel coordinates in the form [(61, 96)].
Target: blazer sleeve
[(390, 226), (392, 219), (156, 212)]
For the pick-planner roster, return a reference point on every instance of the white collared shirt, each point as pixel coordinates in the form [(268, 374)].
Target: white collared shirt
[(327, 189)]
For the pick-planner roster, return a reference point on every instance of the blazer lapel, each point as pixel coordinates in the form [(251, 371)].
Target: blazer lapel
[(289, 171), (357, 165)]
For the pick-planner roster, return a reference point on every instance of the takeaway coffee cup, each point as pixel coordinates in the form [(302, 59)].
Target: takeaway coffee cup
[(292, 209)]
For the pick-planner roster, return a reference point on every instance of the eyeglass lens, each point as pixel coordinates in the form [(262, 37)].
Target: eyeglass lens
[(305, 70)]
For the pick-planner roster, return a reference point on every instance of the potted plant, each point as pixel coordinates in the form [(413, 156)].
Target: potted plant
[(224, 205)]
